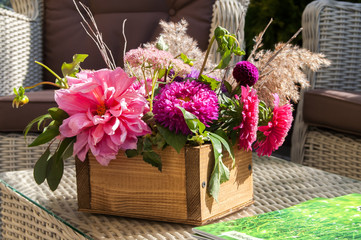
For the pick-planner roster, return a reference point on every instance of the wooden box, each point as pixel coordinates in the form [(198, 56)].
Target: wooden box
[(130, 187)]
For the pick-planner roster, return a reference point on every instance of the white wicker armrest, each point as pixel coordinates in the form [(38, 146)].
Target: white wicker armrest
[(334, 29), (229, 14), (21, 45)]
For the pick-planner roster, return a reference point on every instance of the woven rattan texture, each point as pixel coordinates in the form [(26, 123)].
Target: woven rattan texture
[(333, 28), (335, 156), (277, 184), (16, 155), (21, 45), (231, 15)]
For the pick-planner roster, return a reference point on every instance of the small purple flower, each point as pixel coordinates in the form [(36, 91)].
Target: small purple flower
[(245, 73), (195, 97)]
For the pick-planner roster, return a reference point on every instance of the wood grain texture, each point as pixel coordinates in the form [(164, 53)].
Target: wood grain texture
[(132, 188), (83, 183)]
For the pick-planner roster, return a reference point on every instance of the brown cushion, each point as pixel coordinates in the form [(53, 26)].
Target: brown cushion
[(64, 36), (333, 109), (16, 119)]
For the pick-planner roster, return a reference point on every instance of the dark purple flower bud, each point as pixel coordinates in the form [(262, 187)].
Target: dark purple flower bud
[(245, 73)]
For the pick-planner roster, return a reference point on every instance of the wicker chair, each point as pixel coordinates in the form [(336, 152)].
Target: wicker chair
[(23, 36), (333, 28)]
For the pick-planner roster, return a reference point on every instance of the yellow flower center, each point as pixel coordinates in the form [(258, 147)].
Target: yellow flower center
[(101, 109), (185, 99)]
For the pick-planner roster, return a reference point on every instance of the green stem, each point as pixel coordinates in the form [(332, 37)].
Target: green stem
[(153, 90), (49, 83), (235, 39), (51, 71), (206, 57)]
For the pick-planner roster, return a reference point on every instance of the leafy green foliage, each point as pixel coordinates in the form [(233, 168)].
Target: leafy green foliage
[(213, 83), (20, 97), (227, 45), (145, 148), (41, 166), (70, 69), (38, 120), (54, 170), (161, 45), (52, 130), (219, 140), (51, 167), (186, 60), (177, 141)]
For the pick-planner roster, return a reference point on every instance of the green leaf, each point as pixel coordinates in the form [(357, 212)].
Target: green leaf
[(219, 34), (65, 149), (39, 119), (192, 121), (220, 172), (213, 83), (222, 137), (49, 133), (176, 140), (228, 86), (161, 45), (54, 172), (226, 58), (186, 60), (153, 159), (70, 69), (131, 153), (41, 166), (57, 114), (147, 144)]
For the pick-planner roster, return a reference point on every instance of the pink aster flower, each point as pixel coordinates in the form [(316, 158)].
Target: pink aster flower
[(248, 127), (276, 130), (104, 113), (193, 96)]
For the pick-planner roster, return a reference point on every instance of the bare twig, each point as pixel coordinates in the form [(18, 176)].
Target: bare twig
[(96, 36), (125, 39), (258, 40), (274, 55)]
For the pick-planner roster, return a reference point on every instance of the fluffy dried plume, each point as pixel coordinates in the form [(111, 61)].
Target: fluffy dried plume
[(176, 37), (285, 73)]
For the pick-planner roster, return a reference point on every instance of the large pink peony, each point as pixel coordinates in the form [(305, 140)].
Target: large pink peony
[(248, 127), (104, 113), (276, 130)]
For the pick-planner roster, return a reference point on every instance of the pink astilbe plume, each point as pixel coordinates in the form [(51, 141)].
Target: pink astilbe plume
[(276, 130), (248, 127), (146, 61), (104, 113)]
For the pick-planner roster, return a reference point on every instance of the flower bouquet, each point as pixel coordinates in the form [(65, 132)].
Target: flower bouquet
[(168, 95)]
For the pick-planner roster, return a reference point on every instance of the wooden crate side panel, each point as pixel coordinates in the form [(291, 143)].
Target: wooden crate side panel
[(234, 194), (130, 187), (193, 184), (83, 183)]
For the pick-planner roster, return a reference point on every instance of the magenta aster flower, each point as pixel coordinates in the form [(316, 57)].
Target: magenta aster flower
[(245, 73), (276, 130), (193, 96), (104, 113), (248, 127)]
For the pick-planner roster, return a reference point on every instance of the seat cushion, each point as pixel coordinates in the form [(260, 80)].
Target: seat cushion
[(338, 110), (64, 36), (16, 119)]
